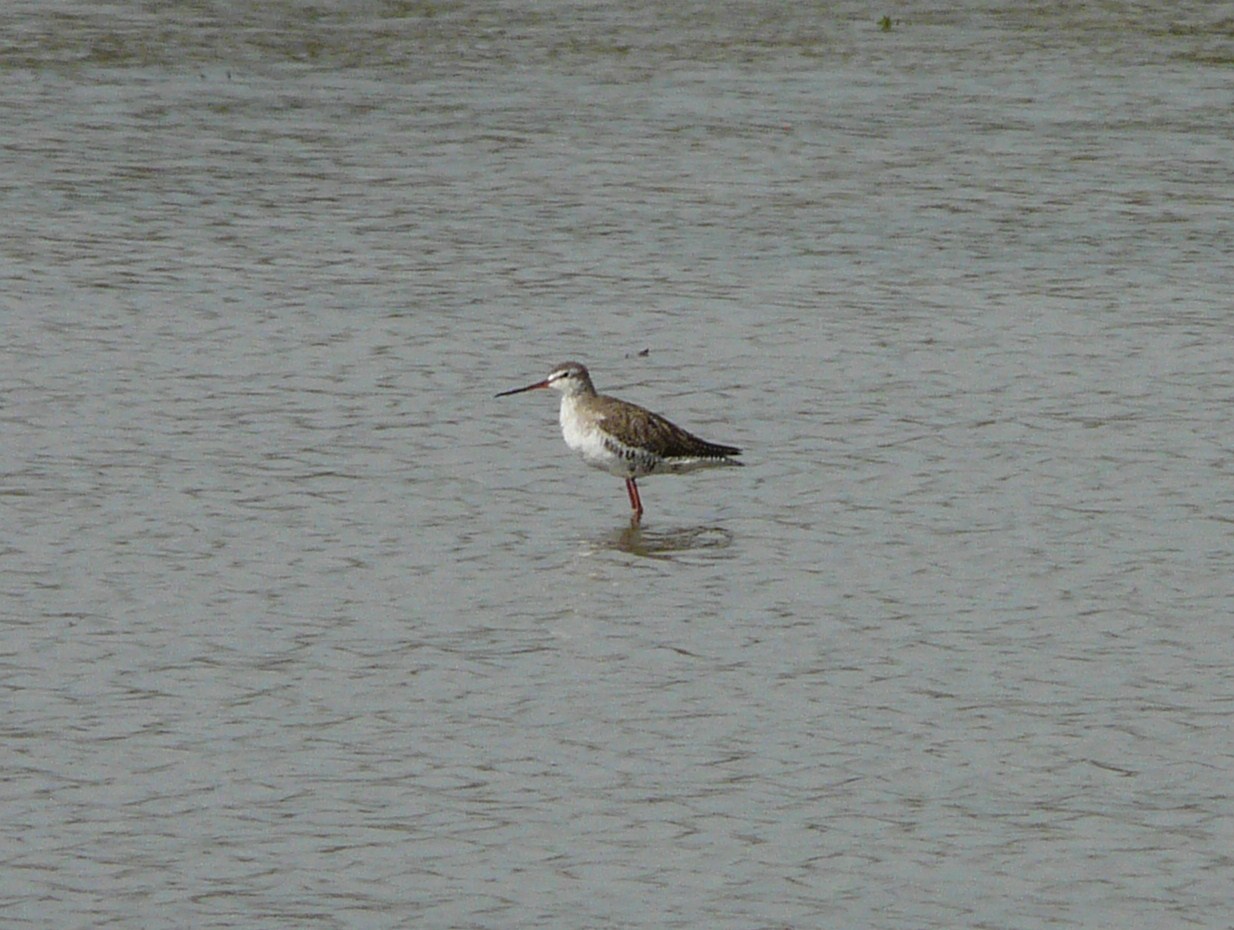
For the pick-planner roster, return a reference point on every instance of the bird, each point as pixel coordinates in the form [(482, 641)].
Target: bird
[(622, 438)]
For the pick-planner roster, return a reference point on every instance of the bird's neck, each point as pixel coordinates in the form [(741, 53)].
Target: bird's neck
[(573, 407)]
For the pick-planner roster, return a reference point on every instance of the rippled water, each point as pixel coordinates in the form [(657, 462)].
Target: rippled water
[(302, 627)]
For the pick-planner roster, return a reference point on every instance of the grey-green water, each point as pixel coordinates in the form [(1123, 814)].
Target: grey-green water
[(301, 627)]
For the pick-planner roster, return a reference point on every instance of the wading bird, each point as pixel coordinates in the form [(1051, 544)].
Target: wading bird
[(622, 438)]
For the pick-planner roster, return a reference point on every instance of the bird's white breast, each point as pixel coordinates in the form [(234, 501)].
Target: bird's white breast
[(585, 437)]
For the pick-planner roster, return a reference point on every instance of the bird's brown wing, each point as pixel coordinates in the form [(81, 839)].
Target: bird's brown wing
[(639, 428)]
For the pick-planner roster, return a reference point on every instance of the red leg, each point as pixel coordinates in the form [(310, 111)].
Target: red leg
[(636, 502)]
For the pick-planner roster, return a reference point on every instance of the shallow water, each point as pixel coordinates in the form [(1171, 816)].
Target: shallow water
[(303, 627)]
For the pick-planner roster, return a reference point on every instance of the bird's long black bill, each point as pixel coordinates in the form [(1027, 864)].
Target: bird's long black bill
[(530, 387)]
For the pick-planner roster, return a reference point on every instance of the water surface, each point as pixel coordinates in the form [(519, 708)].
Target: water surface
[(302, 627)]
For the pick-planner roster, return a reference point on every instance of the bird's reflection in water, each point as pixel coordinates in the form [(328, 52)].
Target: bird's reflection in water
[(663, 544)]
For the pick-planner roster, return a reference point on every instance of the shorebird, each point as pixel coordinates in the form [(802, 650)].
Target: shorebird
[(622, 438)]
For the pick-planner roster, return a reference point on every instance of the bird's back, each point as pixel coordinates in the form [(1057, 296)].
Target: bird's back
[(648, 435)]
